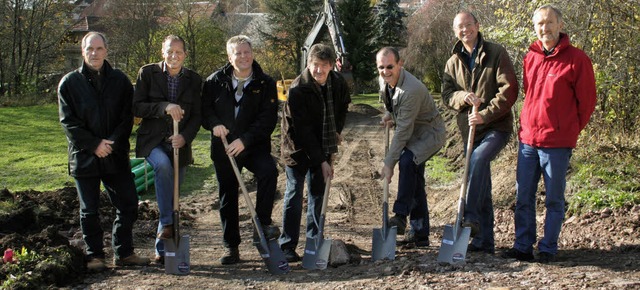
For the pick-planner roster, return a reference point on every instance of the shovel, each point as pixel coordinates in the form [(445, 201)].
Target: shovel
[(455, 239), (384, 239), (317, 249), (176, 249), (269, 251)]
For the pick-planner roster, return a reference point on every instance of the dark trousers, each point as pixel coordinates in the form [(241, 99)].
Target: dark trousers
[(121, 190), (262, 165), (412, 196)]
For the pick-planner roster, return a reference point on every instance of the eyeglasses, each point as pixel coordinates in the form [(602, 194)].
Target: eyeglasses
[(389, 67)]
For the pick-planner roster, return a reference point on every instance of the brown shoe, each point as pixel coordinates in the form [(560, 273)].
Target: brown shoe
[(166, 233), (96, 265), (132, 260)]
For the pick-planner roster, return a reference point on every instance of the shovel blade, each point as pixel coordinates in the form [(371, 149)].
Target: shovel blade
[(384, 244), (453, 250), (274, 258), (316, 253), (176, 256)]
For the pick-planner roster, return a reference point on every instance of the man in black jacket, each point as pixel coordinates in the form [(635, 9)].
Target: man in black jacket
[(239, 102), (167, 91), (95, 113), (314, 116)]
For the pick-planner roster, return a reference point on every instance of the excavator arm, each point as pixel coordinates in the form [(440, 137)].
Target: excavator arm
[(328, 20)]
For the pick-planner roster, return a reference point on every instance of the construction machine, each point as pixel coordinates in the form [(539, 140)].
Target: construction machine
[(327, 21)]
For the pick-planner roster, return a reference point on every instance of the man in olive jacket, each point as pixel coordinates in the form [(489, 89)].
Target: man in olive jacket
[(239, 103), (419, 133), (167, 91), (480, 73), (95, 113)]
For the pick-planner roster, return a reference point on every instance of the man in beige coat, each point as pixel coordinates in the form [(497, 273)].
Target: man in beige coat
[(419, 134)]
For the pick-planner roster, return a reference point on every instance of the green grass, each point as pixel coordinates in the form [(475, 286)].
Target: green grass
[(34, 149), (604, 177), (440, 171), (369, 99)]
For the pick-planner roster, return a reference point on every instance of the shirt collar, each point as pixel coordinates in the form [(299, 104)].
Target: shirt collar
[(165, 70), (548, 52)]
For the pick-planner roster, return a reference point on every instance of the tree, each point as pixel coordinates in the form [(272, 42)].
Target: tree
[(430, 40), (205, 41), (289, 24), (391, 30), (31, 31), (358, 32), (133, 27)]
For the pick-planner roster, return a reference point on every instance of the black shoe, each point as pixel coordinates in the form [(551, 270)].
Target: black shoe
[(270, 233), (546, 258), (291, 255), (515, 254), (400, 222), (474, 248), (421, 241), (231, 256), (474, 226)]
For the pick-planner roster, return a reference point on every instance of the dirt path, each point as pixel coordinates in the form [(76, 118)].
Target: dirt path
[(598, 250)]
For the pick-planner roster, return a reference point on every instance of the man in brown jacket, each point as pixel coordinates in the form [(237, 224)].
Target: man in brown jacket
[(480, 73)]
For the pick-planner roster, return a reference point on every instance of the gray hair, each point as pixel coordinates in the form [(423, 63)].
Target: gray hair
[(549, 7), (475, 20), (86, 37), (237, 40)]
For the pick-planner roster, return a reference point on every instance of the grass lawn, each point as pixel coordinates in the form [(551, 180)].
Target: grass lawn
[(34, 149), (35, 152)]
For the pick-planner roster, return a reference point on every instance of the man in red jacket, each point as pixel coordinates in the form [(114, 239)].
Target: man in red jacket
[(560, 95)]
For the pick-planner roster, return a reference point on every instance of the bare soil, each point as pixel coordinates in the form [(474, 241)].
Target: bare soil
[(598, 250)]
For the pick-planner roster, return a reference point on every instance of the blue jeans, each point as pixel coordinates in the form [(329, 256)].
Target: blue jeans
[(161, 160), (479, 204), (412, 195), (292, 209), (121, 190), (552, 163)]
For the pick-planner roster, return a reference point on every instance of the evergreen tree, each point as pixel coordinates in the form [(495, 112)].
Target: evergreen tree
[(289, 23), (391, 30), (358, 32)]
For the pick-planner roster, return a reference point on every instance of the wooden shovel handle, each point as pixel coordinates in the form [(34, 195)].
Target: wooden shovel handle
[(465, 176), (176, 169)]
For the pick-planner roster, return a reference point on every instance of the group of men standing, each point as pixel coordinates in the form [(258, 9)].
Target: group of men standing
[(239, 103)]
